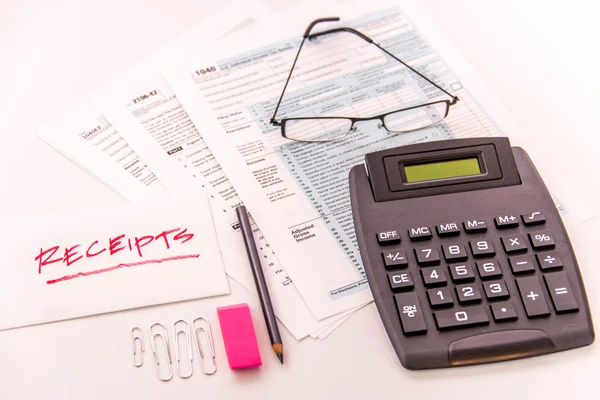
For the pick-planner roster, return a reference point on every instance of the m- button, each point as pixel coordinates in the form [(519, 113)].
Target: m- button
[(389, 237)]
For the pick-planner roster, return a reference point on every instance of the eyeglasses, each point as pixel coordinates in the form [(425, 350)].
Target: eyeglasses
[(325, 129)]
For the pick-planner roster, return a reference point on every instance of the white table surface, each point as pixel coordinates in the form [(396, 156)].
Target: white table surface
[(539, 57)]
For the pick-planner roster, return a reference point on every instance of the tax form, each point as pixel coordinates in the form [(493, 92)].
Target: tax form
[(85, 135), (152, 121), (298, 192)]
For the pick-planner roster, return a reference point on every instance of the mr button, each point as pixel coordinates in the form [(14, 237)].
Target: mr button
[(389, 237)]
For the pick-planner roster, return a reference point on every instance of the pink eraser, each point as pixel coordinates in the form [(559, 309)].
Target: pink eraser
[(239, 336)]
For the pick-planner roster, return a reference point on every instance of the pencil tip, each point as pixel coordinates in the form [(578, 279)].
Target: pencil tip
[(280, 356)]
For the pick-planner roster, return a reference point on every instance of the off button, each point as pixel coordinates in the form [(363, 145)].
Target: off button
[(388, 237)]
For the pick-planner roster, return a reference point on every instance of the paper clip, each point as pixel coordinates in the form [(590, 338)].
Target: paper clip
[(209, 340), (188, 339), (165, 340), (138, 338)]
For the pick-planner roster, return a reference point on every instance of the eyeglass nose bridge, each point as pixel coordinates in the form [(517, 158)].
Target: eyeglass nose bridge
[(380, 123)]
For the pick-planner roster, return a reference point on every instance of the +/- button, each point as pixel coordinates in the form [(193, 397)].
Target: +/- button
[(394, 258), (389, 237)]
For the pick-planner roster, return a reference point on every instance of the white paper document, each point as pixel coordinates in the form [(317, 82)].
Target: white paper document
[(95, 261), (298, 192), (160, 131), (86, 136)]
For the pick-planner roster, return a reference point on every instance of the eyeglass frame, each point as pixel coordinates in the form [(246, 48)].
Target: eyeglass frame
[(309, 36)]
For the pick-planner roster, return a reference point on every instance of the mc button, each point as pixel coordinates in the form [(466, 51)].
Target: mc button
[(389, 237)]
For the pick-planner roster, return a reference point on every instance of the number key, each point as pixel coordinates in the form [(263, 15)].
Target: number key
[(482, 248), (440, 297), (427, 255), (489, 269), (433, 276), (495, 290), (461, 272), (468, 294), (454, 252)]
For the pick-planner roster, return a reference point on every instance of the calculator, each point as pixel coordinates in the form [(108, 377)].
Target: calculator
[(466, 254)]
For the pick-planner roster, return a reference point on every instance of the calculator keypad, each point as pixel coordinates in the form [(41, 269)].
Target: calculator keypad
[(466, 277)]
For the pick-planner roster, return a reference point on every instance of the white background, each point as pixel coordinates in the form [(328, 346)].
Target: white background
[(540, 58)]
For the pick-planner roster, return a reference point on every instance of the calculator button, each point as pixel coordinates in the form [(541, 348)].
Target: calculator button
[(394, 258), (411, 313), (533, 218), (454, 252), (420, 233), (532, 296), (521, 264), (427, 255), (503, 311), (468, 294), (495, 290), (474, 226), (541, 240), (400, 280), (389, 237), (461, 272), (461, 317), (514, 243), (506, 221), (560, 292), (549, 260), (489, 269), (449, 229), (440, 297), (434, 276), (482, 248)]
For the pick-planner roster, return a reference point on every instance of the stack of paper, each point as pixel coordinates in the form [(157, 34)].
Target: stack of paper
[(194, 120)]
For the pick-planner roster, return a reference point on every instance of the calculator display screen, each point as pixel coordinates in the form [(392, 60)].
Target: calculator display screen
[(442, 169)]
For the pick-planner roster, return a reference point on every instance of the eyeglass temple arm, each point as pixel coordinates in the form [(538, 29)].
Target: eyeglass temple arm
[(369, 40), (306, 35)]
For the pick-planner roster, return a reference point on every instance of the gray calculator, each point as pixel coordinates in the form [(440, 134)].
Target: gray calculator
[(466, 254)]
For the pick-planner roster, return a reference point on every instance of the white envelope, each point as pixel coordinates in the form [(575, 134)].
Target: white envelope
[(101, 260)]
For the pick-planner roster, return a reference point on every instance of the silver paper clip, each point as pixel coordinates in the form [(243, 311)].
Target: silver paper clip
[(165, 340), (139, 337), (186, 332), (209, 340)]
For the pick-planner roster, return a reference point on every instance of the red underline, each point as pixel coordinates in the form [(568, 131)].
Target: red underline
[(133, 264)]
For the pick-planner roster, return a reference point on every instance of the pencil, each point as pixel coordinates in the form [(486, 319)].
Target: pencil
[(259, 280)]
